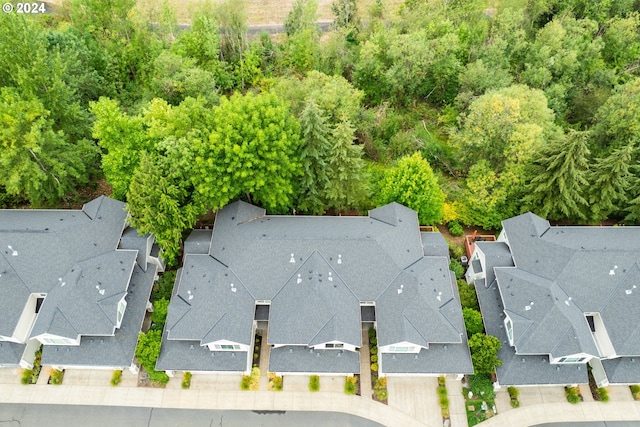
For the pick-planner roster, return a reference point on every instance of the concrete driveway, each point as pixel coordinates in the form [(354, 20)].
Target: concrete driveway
[(416, 397)]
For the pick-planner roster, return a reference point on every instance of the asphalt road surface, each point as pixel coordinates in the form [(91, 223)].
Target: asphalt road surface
[(25, 415)]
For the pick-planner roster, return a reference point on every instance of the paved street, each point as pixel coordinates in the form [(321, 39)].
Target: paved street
[(22, 415)]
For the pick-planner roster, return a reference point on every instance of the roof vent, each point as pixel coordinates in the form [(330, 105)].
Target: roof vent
[(191, 347), (527, 307), (13, 251), (330, 277), (339, 259), (292, 260), (299, 279), (290, 350), (439, 297), (415, 356), (317, 354), (191, 295)]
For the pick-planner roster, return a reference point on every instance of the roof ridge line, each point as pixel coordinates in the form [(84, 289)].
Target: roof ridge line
[(322, 328)]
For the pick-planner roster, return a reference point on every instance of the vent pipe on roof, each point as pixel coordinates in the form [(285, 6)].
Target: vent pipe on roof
[(292, 260)]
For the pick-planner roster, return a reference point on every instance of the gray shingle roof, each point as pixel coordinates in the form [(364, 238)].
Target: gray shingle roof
[(419, 307), (434, 244), (11, 353), (567, 272), (623, 370), (210, 304), (85, 300), (46, 245), (437, 359), (191, 356), (519, 369), (301, 359), (198, 242), (115, 351), (265, 254), (131, 240), (315, 306)]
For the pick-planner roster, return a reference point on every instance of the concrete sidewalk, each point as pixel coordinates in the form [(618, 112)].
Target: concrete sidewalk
[(206, 399)]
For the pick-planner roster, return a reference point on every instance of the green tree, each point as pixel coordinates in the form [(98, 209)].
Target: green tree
[(618, 120), (559, 186), (302, 17), (412, 183), (35, 161), (177, 78), (315, 152), (161, 195), (610, 179), (147, 352), (505, 125), (347, 186), (346, 14), (123, 139), (468, 298), (622, 42), (252, 150), (484, 353), (159, 316), (232, 23), (472, 321)]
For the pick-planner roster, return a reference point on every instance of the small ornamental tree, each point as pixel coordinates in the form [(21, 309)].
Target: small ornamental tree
[(484, 353), (412, 183), (147, 353), (472, 321)]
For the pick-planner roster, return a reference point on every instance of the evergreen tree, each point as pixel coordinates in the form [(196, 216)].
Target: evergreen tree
[(558, 189), (347, 186), (610, 180), (315, 151)]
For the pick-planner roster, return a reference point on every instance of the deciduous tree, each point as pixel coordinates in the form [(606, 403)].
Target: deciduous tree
[(412, 183), (484, 353)]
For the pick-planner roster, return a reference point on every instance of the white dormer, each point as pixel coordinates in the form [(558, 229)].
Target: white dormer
[(122, 306)]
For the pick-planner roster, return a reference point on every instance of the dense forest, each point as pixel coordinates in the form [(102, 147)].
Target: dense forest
[(465, 111)]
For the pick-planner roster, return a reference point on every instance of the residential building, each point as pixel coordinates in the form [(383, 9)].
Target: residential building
[(561, 298), (77, 282), (310, 286)]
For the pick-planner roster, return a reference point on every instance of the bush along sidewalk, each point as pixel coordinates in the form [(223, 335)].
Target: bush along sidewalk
[(276, 382), (116, 378), (186, 380), (573, 394), (314, 383), (443, 398), (635, 391), (30, 376), (251, 382), (56, 376), (351, 385), (514, 393)]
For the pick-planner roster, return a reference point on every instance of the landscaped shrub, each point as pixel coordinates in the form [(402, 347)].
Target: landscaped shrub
[(256, 349), (374, 358), (442, 380), (514, 393), (245, 382), (256, 355), (443, 399), (481, 386), (186, 380), (55, 377), (314, 383), (350, 385), (380, 389), (603, 394), (275, 381), (26, 376), (455, 228), (373, 350), (457, 268), (572, 394), (164, 286), (374, 367), (373, 341), (456, 251), (372, 333), (635, 391), (116, 378)]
